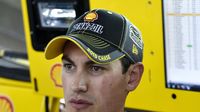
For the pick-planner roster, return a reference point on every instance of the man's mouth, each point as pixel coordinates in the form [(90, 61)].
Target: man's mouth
[(80, 103)]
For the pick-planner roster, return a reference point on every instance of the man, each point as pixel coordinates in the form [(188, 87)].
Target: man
[(102, 55)]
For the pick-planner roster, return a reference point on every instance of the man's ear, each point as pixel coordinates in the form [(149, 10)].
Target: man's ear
[(134, 73)]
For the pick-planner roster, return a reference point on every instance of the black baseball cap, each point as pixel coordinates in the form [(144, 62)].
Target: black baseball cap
[(104, 36)]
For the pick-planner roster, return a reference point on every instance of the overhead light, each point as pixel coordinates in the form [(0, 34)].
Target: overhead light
[(56, 15)]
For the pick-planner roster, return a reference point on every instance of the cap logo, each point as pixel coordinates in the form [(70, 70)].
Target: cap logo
[(134, 50), (91, 16), (135, 36), (134, 32), (98, 57)]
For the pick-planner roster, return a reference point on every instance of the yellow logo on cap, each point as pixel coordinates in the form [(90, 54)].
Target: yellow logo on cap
[(91, 16), (134, 50)]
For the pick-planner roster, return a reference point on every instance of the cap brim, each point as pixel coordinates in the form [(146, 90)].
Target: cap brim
[(99, 54)]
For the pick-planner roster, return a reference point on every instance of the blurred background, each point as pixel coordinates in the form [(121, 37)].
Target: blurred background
[(13, 57), (11, 26)]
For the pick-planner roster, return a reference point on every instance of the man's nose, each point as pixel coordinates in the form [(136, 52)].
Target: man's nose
[(80, 83)]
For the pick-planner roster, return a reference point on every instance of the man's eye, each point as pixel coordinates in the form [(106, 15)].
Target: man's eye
[(68, 66), (96, 68)]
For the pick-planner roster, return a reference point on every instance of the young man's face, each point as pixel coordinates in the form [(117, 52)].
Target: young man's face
[(91, 87)]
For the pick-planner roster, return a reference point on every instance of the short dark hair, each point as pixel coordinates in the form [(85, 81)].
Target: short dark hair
[(125, 64)]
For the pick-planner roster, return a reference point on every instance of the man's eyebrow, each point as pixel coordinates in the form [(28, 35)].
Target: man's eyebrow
[(90, 62), (66, 58)]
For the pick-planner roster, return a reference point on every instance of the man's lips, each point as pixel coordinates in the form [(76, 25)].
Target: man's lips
[(80, 103)]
